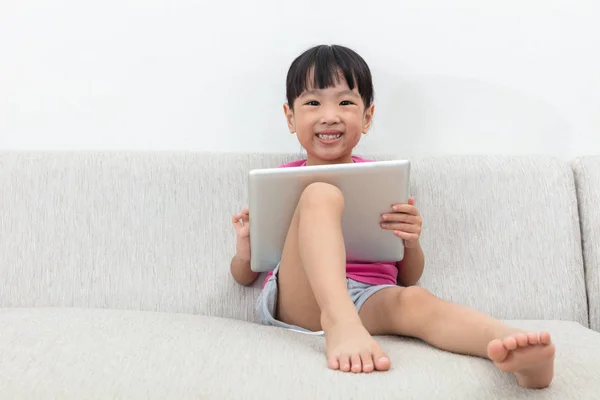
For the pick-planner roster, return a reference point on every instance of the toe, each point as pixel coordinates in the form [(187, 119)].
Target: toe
[(522, 340), (356, 363), (510, 343), (533, 338), (545, 338), (345, 363), (367, 361), (497, 352), (333, 362), (382, 361)]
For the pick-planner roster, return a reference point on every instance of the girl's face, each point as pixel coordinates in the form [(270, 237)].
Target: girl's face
[(329, 122)]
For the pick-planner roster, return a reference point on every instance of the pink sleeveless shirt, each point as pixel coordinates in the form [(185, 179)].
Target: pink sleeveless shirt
[(373, 273)]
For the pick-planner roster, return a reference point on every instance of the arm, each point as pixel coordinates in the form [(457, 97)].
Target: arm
[(241, 271), (406, 222), (410, 269), (240, 263)]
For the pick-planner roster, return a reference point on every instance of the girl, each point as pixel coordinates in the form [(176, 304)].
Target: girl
[(315, 288)]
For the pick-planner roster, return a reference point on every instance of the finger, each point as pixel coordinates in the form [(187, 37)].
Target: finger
[(245, 211), (411, 201), (397, 226), (407, 236), (401, 217), (405, 208), (240, 218)]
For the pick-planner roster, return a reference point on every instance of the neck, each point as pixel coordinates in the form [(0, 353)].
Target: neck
[(312, 160)]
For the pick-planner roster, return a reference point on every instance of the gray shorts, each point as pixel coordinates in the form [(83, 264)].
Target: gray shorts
[(267, 301)]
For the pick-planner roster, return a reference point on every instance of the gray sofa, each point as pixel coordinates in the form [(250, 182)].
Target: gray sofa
[(115, 283)]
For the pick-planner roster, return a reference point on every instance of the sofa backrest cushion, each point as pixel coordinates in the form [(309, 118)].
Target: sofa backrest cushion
[(152, 231)]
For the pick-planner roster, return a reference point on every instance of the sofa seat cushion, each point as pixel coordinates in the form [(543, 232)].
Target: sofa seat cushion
[(78, 353)]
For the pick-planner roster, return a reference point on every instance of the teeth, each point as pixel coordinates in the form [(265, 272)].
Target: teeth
[(329, 137)]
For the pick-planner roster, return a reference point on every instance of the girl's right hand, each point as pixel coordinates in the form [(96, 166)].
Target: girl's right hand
[(241, 224)]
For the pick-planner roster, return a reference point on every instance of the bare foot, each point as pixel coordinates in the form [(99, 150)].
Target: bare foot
[(350, 348), (530, 356)]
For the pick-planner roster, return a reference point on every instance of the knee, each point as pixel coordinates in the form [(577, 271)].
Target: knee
[(320, 194), (418, 306), (419, 310), (414, 297)]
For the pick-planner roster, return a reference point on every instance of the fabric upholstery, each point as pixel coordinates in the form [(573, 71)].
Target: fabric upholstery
[(102, 354), (501, 234), (152, 232), (587, 175), (115, 279), (141, 231)]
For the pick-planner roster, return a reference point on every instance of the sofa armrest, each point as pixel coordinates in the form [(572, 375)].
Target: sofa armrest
[(587, 180)]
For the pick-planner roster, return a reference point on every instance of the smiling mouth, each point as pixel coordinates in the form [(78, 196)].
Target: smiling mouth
[(329, 135)]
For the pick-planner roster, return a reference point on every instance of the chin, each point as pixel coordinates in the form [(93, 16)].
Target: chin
[(330, 156)]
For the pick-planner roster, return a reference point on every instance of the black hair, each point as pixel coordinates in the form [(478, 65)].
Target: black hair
[(326, 63)]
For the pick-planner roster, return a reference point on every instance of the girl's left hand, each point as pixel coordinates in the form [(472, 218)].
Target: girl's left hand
[(405, 221)]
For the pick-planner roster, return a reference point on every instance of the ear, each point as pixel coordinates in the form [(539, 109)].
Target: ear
[(289, 116), (368, 118)]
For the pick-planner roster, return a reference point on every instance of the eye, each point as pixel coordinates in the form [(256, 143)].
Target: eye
[(312, 103), (346, 103)]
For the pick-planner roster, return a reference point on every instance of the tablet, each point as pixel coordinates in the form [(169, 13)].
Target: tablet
[(369, 189)]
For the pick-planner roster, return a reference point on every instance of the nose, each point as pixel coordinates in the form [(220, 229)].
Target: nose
[(330, 116)]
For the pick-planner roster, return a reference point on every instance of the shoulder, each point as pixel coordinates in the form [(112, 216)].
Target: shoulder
[(297, 163)]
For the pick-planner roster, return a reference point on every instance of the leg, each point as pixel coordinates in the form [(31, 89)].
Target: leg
[(414, 312), (312, 282)]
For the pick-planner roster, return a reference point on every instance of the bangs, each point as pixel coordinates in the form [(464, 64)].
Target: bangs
[(324, 66)]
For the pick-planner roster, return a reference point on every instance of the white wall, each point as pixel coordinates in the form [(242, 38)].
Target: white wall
[(450, 76)]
